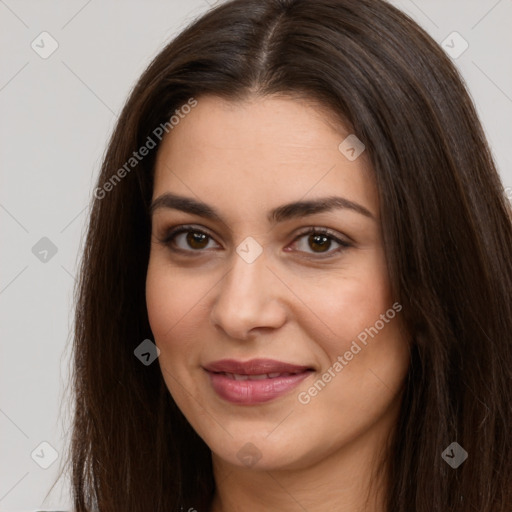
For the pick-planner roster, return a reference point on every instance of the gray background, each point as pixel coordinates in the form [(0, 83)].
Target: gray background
[(56, 117)]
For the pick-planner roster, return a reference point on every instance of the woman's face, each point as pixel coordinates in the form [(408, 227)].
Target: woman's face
[(246, 280)]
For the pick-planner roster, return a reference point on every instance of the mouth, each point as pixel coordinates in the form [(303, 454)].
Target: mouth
[(255, 367), (255, 381)]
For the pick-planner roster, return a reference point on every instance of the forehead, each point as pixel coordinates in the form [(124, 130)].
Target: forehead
[(264, 149)]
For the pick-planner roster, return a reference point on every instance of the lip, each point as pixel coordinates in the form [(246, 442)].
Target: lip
[(250, 391), (254, 367)]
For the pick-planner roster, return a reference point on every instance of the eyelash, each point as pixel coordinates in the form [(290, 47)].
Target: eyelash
[(173, 233)]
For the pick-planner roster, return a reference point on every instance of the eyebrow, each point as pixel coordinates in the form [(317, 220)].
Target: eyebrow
[(281, 213)]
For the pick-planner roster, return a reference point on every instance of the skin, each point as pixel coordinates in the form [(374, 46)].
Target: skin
[(298, 302)]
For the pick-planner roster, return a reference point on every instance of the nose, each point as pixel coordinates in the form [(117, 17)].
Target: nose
[(249, 299)]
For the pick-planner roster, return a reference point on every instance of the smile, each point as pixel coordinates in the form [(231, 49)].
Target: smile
[(256, 381)]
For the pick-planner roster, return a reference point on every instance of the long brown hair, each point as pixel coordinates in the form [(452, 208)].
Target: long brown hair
[(447, 233)]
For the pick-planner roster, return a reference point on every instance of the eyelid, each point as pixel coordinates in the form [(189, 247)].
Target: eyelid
[(171, 233), (324, 231)]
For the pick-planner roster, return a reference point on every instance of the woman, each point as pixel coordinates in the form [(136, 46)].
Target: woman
[(298, 213)]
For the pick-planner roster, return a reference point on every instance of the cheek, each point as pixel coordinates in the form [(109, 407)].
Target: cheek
[(365, 349), (167, 313), (163, 307), (345, 304), (354, 319), (173, 304), (360, 380), (173, 300)]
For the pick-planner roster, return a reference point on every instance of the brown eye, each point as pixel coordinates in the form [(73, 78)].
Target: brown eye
[(187, 238), (196, 239), (320, 241)]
